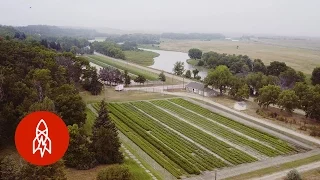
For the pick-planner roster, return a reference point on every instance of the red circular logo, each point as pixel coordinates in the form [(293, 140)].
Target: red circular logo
[(42, 138)]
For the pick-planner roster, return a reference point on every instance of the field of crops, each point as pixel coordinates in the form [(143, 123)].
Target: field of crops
[(103, 61), (186, 139)]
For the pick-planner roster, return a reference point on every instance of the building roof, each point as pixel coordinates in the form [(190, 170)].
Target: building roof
[(195, 85)]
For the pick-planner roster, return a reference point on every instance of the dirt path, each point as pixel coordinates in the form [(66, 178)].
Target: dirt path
[(282, 174)]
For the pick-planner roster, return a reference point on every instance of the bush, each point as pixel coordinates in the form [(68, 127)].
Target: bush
[(293, 175), (114, 172)]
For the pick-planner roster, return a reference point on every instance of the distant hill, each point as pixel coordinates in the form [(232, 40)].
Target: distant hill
[(7, 31)]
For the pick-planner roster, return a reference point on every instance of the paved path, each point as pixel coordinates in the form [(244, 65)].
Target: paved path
[(282, 174)]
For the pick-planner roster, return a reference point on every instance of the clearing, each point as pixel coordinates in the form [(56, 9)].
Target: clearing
[(144, 58)]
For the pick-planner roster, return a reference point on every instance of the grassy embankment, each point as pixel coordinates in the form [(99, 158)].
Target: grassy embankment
[(144, 58), (281, 167)]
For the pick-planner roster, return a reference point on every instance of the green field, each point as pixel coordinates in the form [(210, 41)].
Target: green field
[(144, 58), (295, 54), (104, 62), (176, 140)]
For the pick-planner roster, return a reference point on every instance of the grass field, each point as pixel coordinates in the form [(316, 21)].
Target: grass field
[(104, 61), (176, 139), (144, 58), (301, 59)]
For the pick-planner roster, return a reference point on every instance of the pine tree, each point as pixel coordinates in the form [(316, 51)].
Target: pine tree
[(105, 141)]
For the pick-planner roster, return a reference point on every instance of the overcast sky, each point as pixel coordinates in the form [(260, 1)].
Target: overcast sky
[(278, 17)]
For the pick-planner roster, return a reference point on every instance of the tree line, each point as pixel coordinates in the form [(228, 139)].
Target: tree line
[(109, 48)]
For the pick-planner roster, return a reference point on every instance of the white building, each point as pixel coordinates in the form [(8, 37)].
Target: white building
[(119, 87), (198, 88)]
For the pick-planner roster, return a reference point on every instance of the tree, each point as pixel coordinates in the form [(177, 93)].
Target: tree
[(258, 66), (95, 86), (188, 74), (195, 73), (105, 141), (268, 95), (288, 100), (114, 172), (239, 89), (178, 68), (293, 175), (195, 53), (276, 68), (9, 169), (315, 78), (289, 77), (219, 78), (127, 78), (54, 171), (301, 90), (310, 102), (78, 155), (162, 77), (140, 79)]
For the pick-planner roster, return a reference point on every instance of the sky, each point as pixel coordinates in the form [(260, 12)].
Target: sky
[(271, 17)]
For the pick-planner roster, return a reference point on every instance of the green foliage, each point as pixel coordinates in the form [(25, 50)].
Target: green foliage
[(239, 89), (109, 48), (78, 155), (54, 171), (188, 74), (310, 102), (315, 78), (9, 170), (258, 66), (141, 57), (289, 77), (276, 67), (162, 77), (140, 79), (178, 68), (127, 78), (219, 78), (293, 175), (195, 73), (129, 46), (91, 82), (105, 141), (114, 172), (46, 105), (195, 53), (288, 100), (268, 95)]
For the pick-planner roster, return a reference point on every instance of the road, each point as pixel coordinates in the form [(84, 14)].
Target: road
[(281, 174)]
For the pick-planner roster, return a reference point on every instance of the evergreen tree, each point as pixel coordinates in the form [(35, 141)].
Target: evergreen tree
[(105, 141), (127, 78)]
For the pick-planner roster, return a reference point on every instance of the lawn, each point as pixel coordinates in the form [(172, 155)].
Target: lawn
[(298, 57), (144, 58), (192, 62), (104, 61)]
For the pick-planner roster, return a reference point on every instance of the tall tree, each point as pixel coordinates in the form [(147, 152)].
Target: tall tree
[(276, 67), (219, 78), (195, 53), (140, 79), (195, 73), (288, 100), (239, 89), (162, 77), (268, 95), (301, 90), (78, 154), (178, 68), (315, 78), (105, 141), (127, 78), (188, 74)]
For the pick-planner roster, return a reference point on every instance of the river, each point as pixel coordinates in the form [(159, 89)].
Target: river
[(166, 60)]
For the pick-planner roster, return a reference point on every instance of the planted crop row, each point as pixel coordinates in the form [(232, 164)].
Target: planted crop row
[(220, 148), (131, 69), (170, 153), (195, 155), (152, 151), (216, 129), (278, 144)]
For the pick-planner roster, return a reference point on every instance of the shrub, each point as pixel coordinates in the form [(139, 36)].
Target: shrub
[(114, 172), (293, 175)]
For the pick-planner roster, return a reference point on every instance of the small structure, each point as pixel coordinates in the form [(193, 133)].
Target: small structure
[(240, 106), (119, 87), (198, 88)]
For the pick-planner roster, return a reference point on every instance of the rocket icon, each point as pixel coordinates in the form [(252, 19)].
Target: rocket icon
[(42, 141)]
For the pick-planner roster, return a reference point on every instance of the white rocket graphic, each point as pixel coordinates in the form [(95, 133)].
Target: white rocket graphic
[(42, 141)]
